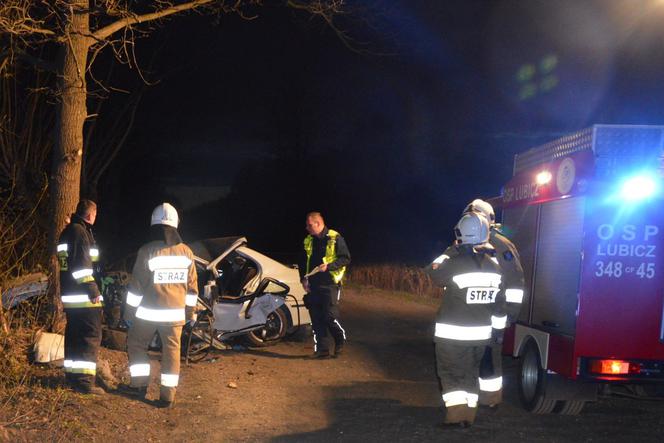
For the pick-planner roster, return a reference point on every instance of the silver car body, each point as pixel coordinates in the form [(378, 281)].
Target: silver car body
[(216, 257)]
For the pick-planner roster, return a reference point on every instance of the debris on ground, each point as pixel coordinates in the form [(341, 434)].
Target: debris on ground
[(24, 288), (48, 347)]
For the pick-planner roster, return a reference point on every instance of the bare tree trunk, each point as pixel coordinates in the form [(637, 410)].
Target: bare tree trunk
[(65, 177)]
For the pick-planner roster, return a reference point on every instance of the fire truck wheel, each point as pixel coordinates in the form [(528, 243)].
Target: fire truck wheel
[(571, 407), (533, 380)]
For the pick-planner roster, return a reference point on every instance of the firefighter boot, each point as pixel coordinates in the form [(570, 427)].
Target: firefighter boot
[(458, 415), (471, 413), (90, 389), (166, 398), (133, 391), (85, 384), (165, 404), (491, 399), (320, 354)]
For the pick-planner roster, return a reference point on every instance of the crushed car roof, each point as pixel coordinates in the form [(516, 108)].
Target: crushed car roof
[(210, 248)]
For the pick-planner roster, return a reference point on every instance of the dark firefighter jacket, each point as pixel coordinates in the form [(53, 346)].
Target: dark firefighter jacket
[(76, 253), (472, 302), (512, 271)]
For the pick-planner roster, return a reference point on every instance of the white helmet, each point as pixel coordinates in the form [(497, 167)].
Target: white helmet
[(483, 208), (472, 229), (165, 214)]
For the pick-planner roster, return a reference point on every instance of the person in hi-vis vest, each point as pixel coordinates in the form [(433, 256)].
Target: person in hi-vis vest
[(322, 266)]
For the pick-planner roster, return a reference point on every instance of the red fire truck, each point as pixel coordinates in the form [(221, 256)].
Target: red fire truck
[(586, 212)]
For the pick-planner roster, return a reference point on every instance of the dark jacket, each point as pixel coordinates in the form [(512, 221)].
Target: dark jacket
[(319, 245), (513, 278), (76, 247), (472, 298)]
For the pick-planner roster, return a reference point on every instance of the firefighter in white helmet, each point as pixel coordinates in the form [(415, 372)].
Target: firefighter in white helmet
[(162, 296), (468, 317), (491, 369)]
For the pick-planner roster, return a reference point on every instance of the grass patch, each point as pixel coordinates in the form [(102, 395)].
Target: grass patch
[(363, 290), (31, 396), (395, 278)]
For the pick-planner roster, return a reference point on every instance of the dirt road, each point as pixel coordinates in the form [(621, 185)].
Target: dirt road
[(383, 388)]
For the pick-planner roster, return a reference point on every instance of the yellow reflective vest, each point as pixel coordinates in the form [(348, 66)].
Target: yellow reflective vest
[(330, 254)]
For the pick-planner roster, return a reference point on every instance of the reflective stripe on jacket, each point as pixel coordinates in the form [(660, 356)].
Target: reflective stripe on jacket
[(164, 283), (513, 277), (76, 251), (472, 302)]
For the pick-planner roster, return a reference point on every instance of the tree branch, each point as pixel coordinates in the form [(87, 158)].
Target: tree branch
[(109, 30), (37, 62)]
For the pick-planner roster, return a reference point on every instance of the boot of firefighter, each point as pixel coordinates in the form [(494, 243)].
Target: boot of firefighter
[(471, 413), (456, 414), (491, 399), (166, 397)]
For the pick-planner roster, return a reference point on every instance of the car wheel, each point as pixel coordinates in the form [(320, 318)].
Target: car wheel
[(532, 381), (274, 330), (197, 341)]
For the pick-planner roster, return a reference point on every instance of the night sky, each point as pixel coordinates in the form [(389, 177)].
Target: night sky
[(254, 123)]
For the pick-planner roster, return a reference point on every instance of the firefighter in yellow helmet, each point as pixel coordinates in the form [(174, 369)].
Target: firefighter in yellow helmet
[(322, 266), (491, 368), (470, 313), (162, 296)]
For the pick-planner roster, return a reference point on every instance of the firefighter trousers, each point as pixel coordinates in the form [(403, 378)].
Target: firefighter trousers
[(82, 341), (491, 375), (138, 339), (458, 365), (323, 305)]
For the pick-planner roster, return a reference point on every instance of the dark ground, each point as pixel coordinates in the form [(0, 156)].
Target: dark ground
[(383, 388)]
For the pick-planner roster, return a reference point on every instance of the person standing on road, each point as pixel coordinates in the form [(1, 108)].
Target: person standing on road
[(491, 368), (468, 317), (322, 267), (77, 252), (162, 295)]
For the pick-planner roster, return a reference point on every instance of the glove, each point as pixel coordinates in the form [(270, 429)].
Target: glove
[(93, 293)]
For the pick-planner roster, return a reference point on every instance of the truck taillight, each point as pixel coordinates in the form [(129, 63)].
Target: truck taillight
[(614, 367)]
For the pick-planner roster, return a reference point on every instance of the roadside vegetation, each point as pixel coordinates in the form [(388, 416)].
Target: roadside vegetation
[(30, 396), (394, 278)]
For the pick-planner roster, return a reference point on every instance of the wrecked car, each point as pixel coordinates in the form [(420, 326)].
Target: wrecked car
[(242, 294), (249, 294)]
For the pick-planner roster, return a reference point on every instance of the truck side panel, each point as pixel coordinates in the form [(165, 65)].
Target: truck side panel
[(622, 287)]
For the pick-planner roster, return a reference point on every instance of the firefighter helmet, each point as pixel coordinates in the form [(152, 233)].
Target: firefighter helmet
[(472, 229), (165, 214), (483, 208)]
